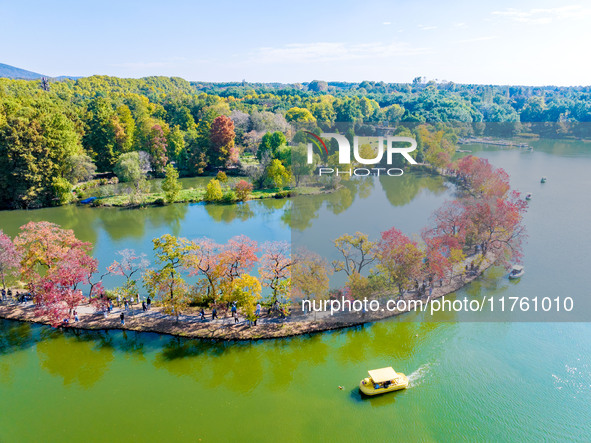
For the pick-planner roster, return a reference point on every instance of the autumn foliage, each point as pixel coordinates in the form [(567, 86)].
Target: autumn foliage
[(54, 264), (221, 136), (485, 222)]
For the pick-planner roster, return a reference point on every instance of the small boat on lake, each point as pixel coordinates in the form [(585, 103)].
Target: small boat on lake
[(383, 380), (516, 272), (543, 180), (528, 196)]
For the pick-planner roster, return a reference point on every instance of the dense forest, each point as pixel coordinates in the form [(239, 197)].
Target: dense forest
[(55, 134)]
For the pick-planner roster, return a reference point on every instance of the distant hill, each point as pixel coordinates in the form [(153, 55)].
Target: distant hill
[(8, 71)]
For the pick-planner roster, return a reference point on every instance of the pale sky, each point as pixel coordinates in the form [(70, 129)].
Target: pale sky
[(493, 42)]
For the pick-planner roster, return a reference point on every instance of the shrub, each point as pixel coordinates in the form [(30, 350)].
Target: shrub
[(229, 196), (283, 194), (222, 177), (213, 191), (62, 189), (243, 190)]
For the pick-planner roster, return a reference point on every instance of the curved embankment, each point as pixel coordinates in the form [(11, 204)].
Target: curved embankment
[(225, 328)]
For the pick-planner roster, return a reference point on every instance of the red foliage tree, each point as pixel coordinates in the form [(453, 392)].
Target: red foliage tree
[(243, 190), (478, 177), (221, 136), (400, 259), (9, 257), (449, 224), (158, 148), (437, 263), (496, 225), (54, 263), (238, 256)]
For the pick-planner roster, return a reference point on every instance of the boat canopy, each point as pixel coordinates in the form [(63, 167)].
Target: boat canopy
[(517, 268), (382, 375)]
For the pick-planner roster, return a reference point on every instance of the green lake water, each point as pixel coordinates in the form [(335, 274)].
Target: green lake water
[(469, 380)]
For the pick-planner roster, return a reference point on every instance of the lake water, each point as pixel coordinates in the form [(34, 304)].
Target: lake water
[(469, 380)]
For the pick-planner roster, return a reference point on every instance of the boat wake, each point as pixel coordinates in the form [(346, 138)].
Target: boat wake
[(417, 377)]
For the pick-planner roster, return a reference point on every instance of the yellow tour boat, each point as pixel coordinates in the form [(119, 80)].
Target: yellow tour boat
[(383, 380)]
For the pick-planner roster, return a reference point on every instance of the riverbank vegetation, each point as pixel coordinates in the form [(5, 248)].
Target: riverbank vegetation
[(55, 137), (484, 223)]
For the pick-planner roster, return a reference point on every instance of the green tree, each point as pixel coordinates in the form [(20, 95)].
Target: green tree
[(176, 146), (101, 133), (171, 185), (127, 168), (79, 168), (277, 176), (299, 115), (299, 162), (270, 144), (28, 165)]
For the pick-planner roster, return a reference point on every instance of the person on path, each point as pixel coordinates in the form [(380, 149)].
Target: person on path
[(214, 314), (122, 317), (144, 307), (233, 309), (126, 305), (149, 302), (258, 310), (236, 319), (76, 316), (202, 314)]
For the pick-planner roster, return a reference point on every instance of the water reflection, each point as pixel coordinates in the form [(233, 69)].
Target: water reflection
[(230, 212), (402, 190), (76, 358), (14, 337), (121, 223), (235, 365)]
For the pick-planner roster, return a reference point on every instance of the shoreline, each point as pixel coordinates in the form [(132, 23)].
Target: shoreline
[(224, 329)]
